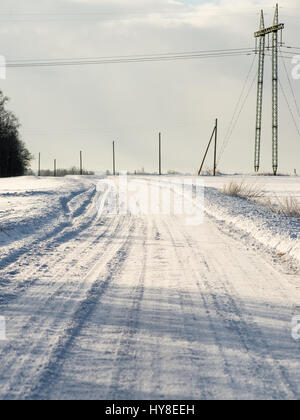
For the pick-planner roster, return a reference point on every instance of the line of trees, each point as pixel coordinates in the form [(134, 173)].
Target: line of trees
[(14, 156), (63, 172)]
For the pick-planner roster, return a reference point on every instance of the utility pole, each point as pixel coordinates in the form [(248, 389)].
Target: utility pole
[(81, 167), (214, 135), (55, 172), (215, 152), (114, 159), (39, 167), (261, 34), (159, 153)]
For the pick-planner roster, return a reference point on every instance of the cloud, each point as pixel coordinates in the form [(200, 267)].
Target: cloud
[(66, 109)]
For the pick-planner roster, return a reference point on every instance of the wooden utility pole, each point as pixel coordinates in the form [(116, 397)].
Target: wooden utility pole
[(215, 153), (81, 167), (160, 171), (214, 134), (39, 168), (114, 159), (55, 172)]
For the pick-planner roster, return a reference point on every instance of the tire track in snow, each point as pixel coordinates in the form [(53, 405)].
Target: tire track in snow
[(100, 282), (30, 268), (226, 302), (29, 274), (206, 387), (53, 238), (125, 361), (232, 314), (18, 368), (271, 280)]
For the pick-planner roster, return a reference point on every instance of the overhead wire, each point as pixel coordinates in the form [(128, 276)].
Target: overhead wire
[(291, 87), (289, 107), (238, 111), (127, 59)]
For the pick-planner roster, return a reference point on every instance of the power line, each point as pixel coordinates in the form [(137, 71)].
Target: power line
[(289, 47), (290, 53), (120, 61), (128, 59), (237, 112), (291, 87), (237, 106), (283, 57), (12, 15), (118, 11), (142, 55), (289, 107)]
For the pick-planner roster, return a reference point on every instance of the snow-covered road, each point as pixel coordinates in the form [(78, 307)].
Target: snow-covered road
[(141, 307)]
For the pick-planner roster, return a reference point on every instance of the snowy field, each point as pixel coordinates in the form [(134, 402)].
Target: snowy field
[(273, 187), (127, 306)]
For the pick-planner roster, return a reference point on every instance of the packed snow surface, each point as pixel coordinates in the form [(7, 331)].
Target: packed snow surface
[(146, 306), (275, 231)]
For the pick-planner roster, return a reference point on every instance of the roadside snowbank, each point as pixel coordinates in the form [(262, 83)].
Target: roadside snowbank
[(251, 221), (274, 231), (33, 209)]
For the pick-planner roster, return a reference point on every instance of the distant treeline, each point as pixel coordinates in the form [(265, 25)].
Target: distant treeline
[(62, 172), (14, 156)]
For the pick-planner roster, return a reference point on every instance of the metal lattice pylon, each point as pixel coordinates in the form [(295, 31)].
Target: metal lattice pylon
[(261, 34), (261, 65), (275, 94)]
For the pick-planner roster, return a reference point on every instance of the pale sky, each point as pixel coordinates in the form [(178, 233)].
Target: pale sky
[(66, 109)]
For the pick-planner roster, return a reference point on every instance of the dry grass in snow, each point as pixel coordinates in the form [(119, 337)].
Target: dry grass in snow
[(288, 206), (244, 190)]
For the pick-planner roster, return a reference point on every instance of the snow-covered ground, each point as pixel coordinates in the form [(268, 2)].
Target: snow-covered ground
[(124, 306), (273, 187), (278, 233)]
